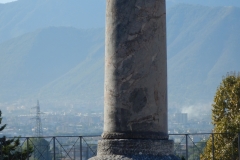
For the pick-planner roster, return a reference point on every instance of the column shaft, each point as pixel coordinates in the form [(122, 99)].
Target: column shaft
[(135, 89)]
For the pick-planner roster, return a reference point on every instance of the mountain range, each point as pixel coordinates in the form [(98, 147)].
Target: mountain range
[(48, 54), (23, 16), (203, 45), (210, 3)]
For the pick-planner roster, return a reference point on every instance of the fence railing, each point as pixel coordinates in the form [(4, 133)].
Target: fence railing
[(187, 146), (57, 148), (217, 146)]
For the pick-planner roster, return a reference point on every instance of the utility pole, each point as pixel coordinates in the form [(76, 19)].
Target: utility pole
[(38, 122)]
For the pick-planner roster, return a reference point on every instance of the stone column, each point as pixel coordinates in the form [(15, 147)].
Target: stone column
[(135, 104)]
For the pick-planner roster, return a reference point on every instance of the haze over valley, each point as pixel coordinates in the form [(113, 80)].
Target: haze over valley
[(53, 51)]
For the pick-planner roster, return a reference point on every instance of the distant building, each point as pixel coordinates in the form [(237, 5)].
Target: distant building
[(181, 118)]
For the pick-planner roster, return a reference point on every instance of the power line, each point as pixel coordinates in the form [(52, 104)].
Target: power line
[(38, 122)]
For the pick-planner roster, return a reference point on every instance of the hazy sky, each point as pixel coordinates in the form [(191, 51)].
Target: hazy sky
[(207, 2), (5, 1), (202, 2)]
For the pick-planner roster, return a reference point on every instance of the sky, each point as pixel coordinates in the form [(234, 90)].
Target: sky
[(6, 1), (201, 2)]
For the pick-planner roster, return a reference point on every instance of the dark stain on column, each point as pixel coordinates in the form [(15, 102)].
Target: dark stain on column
[(125, 86), (138, 99), (140, 126), (121, 117), (126, 65), (156, 97)]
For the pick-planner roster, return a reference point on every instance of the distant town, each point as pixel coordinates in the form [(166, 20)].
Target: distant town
[(21, 121)]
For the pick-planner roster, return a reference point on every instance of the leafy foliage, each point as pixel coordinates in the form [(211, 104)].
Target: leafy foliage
[(41, 149), (226, 120), (11, 149), (195, 150)]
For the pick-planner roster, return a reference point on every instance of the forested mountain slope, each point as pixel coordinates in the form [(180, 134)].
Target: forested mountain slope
[(65, 64)]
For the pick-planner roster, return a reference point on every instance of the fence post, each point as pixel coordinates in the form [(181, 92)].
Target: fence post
[(213, 146), (87, 152), (1, 144), (74, 156), (80, 147), (186, 146), (28, 147), (54, 149), (239, 146)]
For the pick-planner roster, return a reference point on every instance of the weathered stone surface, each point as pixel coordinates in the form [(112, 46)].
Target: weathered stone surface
[(135, 91), (135, 149), (136, 157), (135, 104), (135, 135)]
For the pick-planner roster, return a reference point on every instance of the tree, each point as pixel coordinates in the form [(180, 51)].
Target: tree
[(41, 149), (195, 150), (226, 120), (10, 149)]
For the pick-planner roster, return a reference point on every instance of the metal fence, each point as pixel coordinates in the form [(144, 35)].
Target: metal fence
[(187, 146), (57, 148), (192, 146)]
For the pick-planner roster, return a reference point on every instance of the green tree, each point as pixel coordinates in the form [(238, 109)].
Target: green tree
[(226, 120), (41, 149), (10, 149), (195, 150)]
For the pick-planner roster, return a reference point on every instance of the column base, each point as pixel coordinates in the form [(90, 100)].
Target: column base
[(135, 135), (135, 149)]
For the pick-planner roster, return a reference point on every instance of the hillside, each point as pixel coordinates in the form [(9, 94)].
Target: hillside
[(203, 45), (23, 16), (34, 60), (210, 3), (64, 65)]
